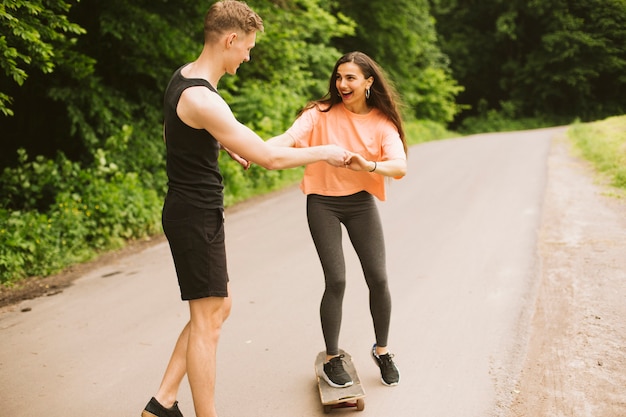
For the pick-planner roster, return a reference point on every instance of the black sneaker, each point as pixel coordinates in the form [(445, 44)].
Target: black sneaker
[(155, 409), (334, 373), (390, 375)]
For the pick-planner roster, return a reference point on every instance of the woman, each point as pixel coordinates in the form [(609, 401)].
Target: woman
[(359, 113)]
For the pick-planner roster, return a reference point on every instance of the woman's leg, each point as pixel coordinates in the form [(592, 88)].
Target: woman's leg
[(366, 234), (325, 230)]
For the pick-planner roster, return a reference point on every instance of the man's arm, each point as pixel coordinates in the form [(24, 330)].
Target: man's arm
[(202, 109), (237, 158)]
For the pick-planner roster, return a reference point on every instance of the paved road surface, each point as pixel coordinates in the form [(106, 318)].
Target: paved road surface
[(461, 242)]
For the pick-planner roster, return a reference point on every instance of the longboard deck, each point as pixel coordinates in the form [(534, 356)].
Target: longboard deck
[(331, 397)]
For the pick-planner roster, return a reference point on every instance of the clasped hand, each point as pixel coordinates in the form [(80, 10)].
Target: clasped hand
[(340, 157), (356, 162)]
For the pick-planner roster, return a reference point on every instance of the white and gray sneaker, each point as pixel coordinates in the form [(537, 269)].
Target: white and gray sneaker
[(390, 375), (334, 373)]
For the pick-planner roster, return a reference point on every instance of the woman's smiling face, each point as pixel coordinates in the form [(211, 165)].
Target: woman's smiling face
[(351, 84)]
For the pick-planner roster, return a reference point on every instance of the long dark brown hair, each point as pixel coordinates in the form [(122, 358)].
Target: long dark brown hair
[(383, 95)]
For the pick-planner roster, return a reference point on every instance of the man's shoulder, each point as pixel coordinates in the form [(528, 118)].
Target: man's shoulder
[(202, 96)]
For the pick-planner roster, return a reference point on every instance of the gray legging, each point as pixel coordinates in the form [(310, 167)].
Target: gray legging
[(359, 214)]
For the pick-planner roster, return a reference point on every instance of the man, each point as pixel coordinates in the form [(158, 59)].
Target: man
[(197, 123)]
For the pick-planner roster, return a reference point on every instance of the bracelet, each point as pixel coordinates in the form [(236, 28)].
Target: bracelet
[(375, 166)]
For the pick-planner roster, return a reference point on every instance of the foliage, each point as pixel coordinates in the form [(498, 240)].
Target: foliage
[(88, 211), (546, 59), (36, 34), (604, 144)]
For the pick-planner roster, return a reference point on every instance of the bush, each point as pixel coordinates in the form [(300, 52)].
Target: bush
[(81, 213), (32, 243)]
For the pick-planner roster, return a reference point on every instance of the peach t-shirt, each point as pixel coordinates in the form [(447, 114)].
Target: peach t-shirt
[(372, 135)]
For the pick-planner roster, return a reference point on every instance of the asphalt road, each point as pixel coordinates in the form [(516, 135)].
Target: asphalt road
[(461, 232)]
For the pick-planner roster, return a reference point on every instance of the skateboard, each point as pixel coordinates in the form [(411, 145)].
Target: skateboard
[(352, 396)]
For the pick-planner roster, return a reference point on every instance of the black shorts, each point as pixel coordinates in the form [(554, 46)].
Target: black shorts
[(196, 238)]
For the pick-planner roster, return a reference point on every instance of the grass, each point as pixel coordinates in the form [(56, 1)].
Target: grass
[(603, 143)]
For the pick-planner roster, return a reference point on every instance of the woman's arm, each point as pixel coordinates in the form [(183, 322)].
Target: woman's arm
[(390, 168)]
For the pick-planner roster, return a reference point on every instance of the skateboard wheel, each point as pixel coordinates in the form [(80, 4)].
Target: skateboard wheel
[(327, 409), (360, 404)]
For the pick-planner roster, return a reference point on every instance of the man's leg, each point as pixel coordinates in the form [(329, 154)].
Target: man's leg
[(175, 371), (207, 316)]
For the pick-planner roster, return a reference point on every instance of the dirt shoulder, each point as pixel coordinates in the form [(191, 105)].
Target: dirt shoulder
[(576, 359)]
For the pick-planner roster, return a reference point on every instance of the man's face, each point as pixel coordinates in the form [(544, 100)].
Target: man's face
[(240, 51)]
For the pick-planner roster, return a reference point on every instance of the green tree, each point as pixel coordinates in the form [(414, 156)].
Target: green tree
[(36, 36), (541, 58), (131, 49), (577, 66)]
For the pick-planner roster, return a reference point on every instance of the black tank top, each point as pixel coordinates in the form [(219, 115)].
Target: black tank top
[(192, 169)]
